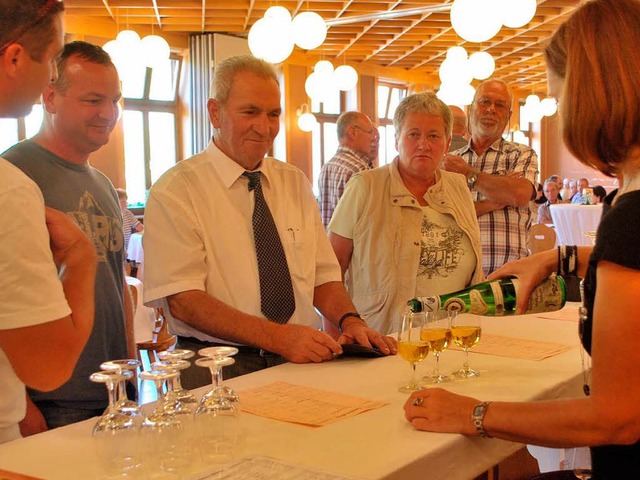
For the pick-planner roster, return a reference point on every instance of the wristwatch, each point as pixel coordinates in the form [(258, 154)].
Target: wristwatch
[(472, 178), (478, 418)]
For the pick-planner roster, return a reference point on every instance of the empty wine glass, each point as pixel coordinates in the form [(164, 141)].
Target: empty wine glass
[(411, 347), (466, 330), (177, 359), (220, 352), (164, 432), (437, 333), (217, 417), (125, 405), (115, 435)]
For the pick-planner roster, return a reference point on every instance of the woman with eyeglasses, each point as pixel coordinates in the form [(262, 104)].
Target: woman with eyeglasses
[(594, 68)]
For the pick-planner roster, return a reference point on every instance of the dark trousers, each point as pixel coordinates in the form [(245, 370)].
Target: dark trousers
[(247, 360)]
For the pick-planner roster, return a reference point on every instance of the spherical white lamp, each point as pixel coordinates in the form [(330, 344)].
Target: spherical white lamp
[(279, 13), (155, 50), (482, 65), (306, 120), (128, 37), (447, 94), (517, 13), (548, 106), (457, 53), (476, 20), (454, 71), (532, 99), (314, 86), (323, 68), (258, 38), (345, 77), (309, 30), (464, 94), (519, 137), (456, 93), (113, 48)]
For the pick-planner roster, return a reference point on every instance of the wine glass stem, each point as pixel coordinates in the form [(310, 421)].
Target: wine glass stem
[(112, 392), (436, 370), (159, 383), (413, 374), (465, 364), (215, 375)]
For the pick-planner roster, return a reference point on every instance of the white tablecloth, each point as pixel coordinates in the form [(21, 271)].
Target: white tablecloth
[(379, 444), (145, 317), (571, 222), (136, 253)]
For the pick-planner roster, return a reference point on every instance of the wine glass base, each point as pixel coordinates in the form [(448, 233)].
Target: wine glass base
[(465, 373), (435, 378), (411, 387), (582, 473)]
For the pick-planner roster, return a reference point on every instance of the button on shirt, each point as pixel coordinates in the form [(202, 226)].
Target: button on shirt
[(198, 236)]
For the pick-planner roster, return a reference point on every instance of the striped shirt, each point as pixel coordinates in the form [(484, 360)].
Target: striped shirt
[(334, 177), (503, 232)]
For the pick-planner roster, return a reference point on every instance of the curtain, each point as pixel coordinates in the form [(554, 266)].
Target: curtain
[(201, 73)]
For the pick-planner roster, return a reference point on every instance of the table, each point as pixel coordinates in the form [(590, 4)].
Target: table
[(571, 222), (136, 253), (377, 445)]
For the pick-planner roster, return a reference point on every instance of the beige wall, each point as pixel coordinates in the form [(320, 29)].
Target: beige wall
[(558, 160)]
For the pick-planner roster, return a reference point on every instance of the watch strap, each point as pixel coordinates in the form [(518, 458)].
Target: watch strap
[(478, 418)]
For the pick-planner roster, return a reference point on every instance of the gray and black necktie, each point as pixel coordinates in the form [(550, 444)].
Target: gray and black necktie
[(276, 291)]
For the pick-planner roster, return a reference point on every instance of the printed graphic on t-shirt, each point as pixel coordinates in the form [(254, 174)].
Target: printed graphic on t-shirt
[(440, 250), (105, 231)]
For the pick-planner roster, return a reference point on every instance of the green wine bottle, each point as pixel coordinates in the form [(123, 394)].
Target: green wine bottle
[(497, 297)]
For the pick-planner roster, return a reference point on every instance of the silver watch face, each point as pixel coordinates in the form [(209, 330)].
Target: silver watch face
[(471, 179), (478, 410)]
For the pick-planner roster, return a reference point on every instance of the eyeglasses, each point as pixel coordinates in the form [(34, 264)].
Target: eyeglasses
[(373, 132), (486, 103), (42, 13)]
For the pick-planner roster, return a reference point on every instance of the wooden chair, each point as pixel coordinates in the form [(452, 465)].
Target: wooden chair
[(161, 339), (541, 238)]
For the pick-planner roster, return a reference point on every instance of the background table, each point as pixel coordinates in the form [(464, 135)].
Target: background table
[(136, 253), (376, 445), (571, 222)]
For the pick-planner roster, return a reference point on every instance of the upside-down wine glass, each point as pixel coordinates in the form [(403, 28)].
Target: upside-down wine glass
[(466, 330), (437, 333), (411, 347), (217, 416), (221, 352), (163, 432), (115, 435), (178, 357), (125, 405)]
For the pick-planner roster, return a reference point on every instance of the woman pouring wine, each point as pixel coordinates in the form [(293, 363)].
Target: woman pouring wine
[(598, 83)]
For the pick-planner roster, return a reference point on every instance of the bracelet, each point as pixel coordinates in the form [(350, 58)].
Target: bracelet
[(567, 260), (345, 316)]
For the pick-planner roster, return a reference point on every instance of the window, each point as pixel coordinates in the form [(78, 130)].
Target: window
[(150, 126), (389, 96), (13, 130)]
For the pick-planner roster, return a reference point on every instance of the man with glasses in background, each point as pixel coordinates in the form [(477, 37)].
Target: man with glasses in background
[(501, 175), (45, 320), (358, 141)]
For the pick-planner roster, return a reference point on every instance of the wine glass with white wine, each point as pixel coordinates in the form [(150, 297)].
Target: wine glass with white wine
[(411, 347), (465, 331), (437, 333)]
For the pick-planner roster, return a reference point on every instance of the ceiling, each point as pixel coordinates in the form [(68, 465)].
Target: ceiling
[(412, 45)]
